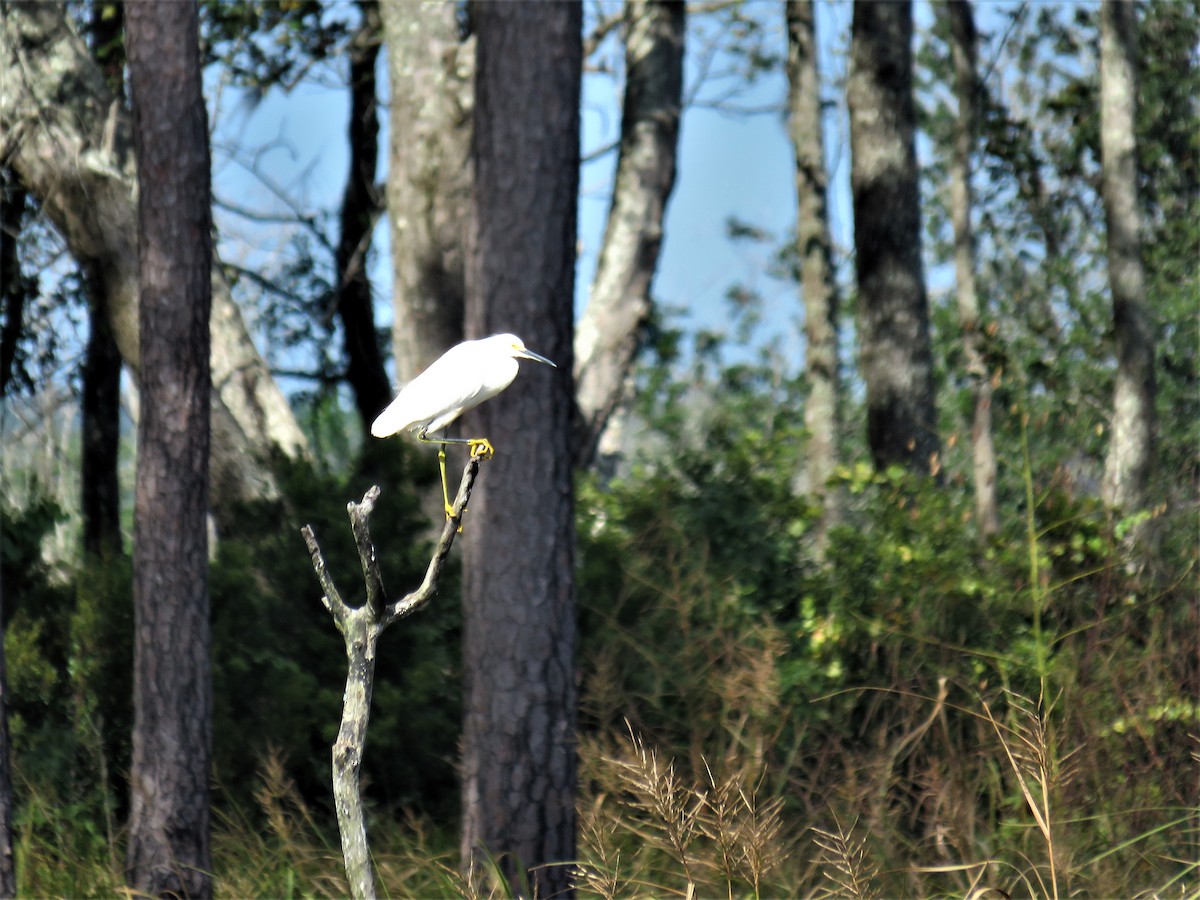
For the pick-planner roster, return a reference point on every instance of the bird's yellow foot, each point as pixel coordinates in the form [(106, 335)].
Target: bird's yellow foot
[(481, 448), (450, 515)]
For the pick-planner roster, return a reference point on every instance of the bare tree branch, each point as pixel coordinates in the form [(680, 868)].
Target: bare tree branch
[(361, 627)]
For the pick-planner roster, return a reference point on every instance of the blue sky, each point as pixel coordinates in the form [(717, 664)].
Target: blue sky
[(730, 165)]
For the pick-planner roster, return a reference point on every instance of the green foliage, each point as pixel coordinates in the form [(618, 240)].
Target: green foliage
[(859, 688), (279, 662), (755, 722), (67, 700), (35, 639), (268, 44)]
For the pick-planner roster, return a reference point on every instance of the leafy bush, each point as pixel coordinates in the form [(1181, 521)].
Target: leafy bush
[(913, 699)]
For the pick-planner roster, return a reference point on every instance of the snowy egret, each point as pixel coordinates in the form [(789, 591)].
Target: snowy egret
[(460, 379)]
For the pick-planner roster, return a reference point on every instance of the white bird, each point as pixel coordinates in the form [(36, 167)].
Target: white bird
[(460, 379)]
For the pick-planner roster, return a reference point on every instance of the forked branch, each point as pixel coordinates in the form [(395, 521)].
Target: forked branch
[(360, 627)]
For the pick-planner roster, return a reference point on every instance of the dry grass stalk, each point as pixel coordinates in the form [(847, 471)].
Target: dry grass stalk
[(1029, 748), (597, 835), (670, 807), (844, 862), (717, 830), (760, 826)]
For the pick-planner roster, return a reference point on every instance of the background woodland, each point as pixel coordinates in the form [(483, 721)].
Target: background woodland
[(895, 595)]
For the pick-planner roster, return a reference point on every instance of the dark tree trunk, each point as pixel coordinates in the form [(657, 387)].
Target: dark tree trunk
[(895, 355), (620, 303), (1131, 443), (14, 286), (822, 409), (519, 597), (101, 402), (169, 828), (429, 178), (101, 415), (966, 90), (364, 361)]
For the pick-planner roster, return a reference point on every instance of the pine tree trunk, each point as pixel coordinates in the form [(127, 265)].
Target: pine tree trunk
[(966, 89), (168, 847), (619, 305), (895, 356), (519, 597), (822, 408), (429, 178), (1131, 445)]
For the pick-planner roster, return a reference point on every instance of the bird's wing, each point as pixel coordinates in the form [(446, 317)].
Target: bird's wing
[(436, 397)]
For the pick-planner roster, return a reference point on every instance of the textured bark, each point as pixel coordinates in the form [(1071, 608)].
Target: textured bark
[(609, 333), (169, 850), (364, 361), (519, 597), (429, 178), (1131, 445), (966, 90), (822, 408), (894, 350), (360, 628), (68, 137)]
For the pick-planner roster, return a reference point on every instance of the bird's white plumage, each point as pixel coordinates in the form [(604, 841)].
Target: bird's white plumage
[(460, 379)]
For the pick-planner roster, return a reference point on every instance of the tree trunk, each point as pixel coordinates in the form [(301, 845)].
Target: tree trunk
[(429, 178), (966, 89), (69, 140), (1131, 445), (822, 408), (14, 287), (168, 848), (100, 406), (519, 597), (100, 487), (895, 355), (610, 330), (364, 361)]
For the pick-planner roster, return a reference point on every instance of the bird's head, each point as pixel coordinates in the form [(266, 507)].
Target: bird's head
[(515, 347)]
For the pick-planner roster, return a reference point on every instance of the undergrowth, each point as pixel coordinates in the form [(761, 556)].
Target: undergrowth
[(889, 724), (920, 715)]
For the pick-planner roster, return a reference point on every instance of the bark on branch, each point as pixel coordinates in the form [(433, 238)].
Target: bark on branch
[(361, 627), (609, 334)]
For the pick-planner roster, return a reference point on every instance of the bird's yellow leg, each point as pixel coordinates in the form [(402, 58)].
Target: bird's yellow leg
[(481, 448), (445, 490)]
